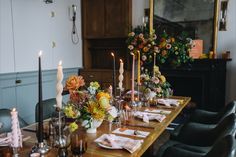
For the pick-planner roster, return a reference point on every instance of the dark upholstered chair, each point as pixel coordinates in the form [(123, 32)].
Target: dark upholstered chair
[(205, 135), (5, 119), (48, 108), (207, 117), (225, 147), (200, 138)]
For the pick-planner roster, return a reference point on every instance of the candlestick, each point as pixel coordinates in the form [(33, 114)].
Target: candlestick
[(110, 90), (114, 74), (40, 118), (59, 86), (121, 77), (138, 77), (154, 64), (132, 80), (16, 139)]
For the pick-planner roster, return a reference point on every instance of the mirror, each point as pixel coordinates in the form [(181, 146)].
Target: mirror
[(198, 18)]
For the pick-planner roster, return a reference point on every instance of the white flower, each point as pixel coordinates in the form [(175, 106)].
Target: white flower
[(112, 111), (130, 47), (144, 58), (92, 90)]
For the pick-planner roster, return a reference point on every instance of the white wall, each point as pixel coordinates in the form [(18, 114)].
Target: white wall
[(27, 26), (138, 7), (226, 41)]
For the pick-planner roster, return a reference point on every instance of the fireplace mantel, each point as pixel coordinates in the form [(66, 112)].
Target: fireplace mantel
[(203, 80)]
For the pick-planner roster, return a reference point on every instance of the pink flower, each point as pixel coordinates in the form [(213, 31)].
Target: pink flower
[(155, 80)]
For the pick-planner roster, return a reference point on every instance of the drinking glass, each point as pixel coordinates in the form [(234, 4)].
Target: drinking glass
[(78, 144)]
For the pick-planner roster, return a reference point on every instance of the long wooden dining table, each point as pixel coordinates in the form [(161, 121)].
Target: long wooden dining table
[(155, 128)]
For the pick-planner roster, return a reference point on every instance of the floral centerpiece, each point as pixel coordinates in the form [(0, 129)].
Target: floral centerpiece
[(153, 83), (155, 86), (90, 104)]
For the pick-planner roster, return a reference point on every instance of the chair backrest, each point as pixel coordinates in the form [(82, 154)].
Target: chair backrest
[(5, 119), (226, 126), (48, 108), (227, 110), (225, 147)]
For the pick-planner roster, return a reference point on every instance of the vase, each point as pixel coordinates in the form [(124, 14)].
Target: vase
[(94, 125)]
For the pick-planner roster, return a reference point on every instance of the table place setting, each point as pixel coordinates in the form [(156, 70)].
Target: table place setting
[(160, 111), (111, 141), (149, 116), (130, 132), (169, 102)]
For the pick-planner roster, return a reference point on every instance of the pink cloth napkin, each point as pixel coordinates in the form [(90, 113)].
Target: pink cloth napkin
[(118, 142), (169, 102), (149, 116)]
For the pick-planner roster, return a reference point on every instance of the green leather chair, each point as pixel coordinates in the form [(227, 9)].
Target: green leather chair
[(225, 147), (48, 108), (5, 119), (207, 117), (201, 138)]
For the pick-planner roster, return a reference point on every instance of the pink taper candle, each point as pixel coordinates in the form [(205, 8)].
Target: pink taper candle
[(132, 84)]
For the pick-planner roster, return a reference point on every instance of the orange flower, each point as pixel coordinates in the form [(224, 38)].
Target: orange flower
[(145, 49), (163, 52), (74, 82)]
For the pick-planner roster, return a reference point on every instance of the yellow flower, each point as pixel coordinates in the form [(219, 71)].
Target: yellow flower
[(95, 110), (104, 102), (162, 78), (103, 94), (69, 112), (73, 126), (95, 84)]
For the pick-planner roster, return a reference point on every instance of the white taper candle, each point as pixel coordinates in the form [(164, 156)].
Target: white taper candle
[(59, 85)]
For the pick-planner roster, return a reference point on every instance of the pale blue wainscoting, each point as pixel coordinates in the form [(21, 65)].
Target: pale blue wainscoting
[(24, 94)]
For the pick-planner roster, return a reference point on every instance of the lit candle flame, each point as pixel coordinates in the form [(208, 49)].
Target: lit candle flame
[(40, 53), (14, 109), (132, 54), (112, 54), (121, 61), (60, 62)]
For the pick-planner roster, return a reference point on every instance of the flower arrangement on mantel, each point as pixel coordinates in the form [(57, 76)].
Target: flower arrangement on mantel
[(174, 51), (168, 50), (87, 104)]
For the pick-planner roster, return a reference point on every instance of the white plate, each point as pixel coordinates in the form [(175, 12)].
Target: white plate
[(107, 147)]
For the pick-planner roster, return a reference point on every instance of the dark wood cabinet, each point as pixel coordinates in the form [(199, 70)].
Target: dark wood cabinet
[(106, 18), (93, 18), (105, 25), (203, 80)]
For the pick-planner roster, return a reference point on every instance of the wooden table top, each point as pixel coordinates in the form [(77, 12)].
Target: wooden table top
[(155, 128)]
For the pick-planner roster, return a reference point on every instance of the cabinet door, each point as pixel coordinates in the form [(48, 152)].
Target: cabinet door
[(93, 18), (115, 18)]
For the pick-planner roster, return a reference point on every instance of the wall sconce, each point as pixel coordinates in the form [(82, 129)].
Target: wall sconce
[(223, 15)]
